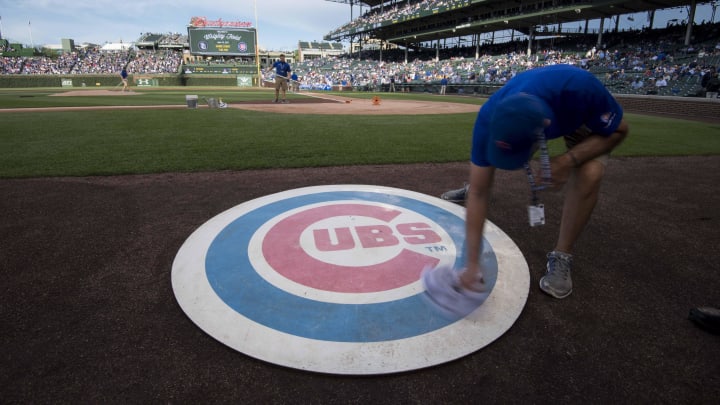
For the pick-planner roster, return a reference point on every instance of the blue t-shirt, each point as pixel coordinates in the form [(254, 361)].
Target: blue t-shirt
[(281, 68), (575, 97)]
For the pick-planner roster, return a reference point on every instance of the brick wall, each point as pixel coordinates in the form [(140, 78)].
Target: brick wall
[(675, 107)]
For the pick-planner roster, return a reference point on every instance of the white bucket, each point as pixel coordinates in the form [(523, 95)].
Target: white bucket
[(192, 101)]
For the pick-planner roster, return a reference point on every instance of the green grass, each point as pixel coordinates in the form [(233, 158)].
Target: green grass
[(35, 98), (82, 143)]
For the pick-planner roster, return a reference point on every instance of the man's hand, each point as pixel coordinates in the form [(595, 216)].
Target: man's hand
[(471, 279), (585, 151), (560, 167)]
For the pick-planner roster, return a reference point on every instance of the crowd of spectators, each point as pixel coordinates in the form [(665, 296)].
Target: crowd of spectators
[(397, 12), (643, 62), (93, 61), (495, 70), (371, 74), (656, 62)]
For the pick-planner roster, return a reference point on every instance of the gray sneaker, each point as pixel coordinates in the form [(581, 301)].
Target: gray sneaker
[(557, 281), (456, 196)]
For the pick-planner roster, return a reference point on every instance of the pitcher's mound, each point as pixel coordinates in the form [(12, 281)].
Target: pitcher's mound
[(96, 92)]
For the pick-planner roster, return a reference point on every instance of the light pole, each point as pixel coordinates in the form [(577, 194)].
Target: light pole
[(257, 44)]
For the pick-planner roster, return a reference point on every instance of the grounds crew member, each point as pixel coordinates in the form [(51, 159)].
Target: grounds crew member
[(537, 105), (282, 72)]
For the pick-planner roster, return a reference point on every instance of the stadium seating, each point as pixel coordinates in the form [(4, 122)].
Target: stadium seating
[(623, 57)]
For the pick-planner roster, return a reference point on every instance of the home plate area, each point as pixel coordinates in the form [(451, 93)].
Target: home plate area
[(327, 279)]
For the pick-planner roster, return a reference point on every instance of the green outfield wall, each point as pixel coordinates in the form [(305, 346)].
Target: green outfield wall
[(139, 80)]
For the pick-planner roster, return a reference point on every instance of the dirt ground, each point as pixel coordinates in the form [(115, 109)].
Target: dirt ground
[(333, 104), (96, 92), (317, 103), (89, 316)]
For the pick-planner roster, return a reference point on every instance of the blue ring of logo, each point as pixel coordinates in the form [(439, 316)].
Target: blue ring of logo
[(238, 285)]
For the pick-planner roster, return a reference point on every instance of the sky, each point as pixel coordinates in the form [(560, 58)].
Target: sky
[(281, 23)]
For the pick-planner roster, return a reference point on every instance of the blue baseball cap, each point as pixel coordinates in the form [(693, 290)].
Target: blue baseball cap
[(514, 128)]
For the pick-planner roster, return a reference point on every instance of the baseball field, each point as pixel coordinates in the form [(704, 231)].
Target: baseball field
[(100, 189)]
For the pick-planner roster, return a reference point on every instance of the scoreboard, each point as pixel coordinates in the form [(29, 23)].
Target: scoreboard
[(222, 41)]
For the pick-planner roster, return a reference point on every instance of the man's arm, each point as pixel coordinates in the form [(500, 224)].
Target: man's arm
[(586, 150), (477, 201), (595, 146)]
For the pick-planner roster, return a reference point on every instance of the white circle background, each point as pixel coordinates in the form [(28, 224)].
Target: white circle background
[(202, 305)]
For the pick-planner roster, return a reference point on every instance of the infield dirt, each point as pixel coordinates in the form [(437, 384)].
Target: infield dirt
[(88, 312)]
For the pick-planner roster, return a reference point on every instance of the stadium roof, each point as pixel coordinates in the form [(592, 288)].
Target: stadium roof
[(589, 10), (482, 16), (371, 3)]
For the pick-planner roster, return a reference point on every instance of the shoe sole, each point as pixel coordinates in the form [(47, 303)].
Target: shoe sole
[(553, 293), (708, 322), (454, 200), (454, 196)]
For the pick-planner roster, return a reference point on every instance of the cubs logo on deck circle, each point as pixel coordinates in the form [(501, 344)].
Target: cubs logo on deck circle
[(327, 279)]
